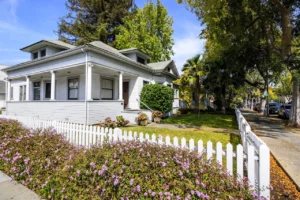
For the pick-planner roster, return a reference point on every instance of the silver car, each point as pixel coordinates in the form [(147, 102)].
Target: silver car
[(284, 111)]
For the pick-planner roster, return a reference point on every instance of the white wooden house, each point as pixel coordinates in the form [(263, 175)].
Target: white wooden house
[(83, 84), (2, 87)]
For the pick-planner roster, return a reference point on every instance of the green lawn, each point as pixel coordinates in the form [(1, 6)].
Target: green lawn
[(204, 119), (204, 135)]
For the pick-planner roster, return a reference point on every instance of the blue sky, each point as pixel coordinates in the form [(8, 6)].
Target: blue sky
[(23, 22)]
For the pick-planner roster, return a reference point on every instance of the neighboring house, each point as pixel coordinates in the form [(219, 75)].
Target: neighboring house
[(83, 84), (2, 87)]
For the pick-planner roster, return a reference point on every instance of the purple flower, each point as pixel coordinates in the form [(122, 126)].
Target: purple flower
[(164, 164), (153, 194), (138, 188), (116, 181), (131, 182), (197, 182), (92, 164), (52, 191), (145, 194), (203, 185)]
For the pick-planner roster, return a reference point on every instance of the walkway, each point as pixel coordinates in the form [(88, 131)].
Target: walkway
[(10, 190), (284, 145)]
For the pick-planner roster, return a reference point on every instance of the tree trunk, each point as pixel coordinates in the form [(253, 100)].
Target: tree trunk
[(197, 94), (295, 107), (223, 99)]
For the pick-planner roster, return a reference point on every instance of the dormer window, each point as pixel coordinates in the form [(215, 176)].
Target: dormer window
[(169, 69), (43, 52), (141, 60), (35, 55)]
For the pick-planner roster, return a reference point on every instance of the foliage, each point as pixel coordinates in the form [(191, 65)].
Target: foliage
[(157, 113), (121, 121), (88, 21), (46, 163), (285, 86), (204, 119), (157, 97), (149, 30), (193, 75), (184, 111), (142, 117), (109, 123), (10, 128)]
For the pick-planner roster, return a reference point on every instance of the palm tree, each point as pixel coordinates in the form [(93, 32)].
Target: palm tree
[(192, 76)]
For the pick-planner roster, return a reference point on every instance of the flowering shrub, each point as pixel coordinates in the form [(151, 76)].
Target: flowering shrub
[(142, 117), (121, 122), (109, 123), (55, 169), (157, 113)]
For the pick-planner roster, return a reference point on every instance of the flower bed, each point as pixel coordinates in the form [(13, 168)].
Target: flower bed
[(55, 169)]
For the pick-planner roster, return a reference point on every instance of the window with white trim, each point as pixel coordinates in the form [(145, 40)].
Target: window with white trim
[(107, 89), (73, 84)]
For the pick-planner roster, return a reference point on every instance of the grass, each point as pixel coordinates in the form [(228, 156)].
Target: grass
[(204, 119), (205, 135)]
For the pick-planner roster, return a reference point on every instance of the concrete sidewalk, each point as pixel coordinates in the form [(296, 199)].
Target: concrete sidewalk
[(284, 145), (12, 190)]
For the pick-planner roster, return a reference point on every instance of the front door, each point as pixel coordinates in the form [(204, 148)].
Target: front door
[(125, 93)]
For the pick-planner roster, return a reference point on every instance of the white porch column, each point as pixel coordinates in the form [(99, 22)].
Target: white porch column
[(52, 85), (27, 88), (42, 93), (121, 85), (8, 90), (89, 81)]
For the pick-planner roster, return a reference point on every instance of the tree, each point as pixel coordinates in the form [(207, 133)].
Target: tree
[(150, 30), (274, 22), (90, 20), (192, 76)]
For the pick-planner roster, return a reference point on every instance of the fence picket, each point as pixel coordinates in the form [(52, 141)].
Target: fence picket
[(219, 151), (183, 143), (229, 158), (209, 150), (240, 160), (153, 138), (147, 137), (168, 141), (264, 168), (191, 145), (141, 136), (130, 136), (250, 165), (175, 141), (200, 147)]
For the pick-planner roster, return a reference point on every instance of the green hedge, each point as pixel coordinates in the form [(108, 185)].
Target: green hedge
[(157, 97)]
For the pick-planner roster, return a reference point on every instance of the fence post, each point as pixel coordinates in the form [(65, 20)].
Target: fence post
[(264, 171), (209, 150), (240, 161), (200, 147), (229, 158), (192, 145), (219, 152)]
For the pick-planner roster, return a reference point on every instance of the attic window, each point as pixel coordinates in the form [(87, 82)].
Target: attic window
[(141, 60), (35, 55), (169, 69), (43, 52)]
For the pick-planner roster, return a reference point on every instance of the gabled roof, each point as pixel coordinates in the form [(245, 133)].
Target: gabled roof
[(134, 50), (162, 66), (42, 43)]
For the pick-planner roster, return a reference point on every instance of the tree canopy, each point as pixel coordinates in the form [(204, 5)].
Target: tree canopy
[(90, 20), (150, 30)]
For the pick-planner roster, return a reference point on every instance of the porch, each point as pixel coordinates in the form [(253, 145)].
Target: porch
[(75, 94)]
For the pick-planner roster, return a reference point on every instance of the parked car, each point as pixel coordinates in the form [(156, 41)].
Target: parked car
[(284, 111), (274, 108)]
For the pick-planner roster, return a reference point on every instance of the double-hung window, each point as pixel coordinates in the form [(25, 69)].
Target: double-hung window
[(37, 91), (73, 88), (107, 89), (48, 90)]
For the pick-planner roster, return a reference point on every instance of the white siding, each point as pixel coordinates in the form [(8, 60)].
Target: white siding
[(72, 111)]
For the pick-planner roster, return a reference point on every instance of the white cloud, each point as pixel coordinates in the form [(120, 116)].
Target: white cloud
[(187, 43), (13, 7)]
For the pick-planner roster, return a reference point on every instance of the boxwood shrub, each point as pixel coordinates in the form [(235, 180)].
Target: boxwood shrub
[(157, 97), (55, 169)]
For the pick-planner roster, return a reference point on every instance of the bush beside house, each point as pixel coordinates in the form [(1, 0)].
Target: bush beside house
[(157, 97), (55, 169)]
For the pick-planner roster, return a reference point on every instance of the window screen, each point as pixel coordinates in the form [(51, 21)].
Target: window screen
[(107, 89), (73, 89)]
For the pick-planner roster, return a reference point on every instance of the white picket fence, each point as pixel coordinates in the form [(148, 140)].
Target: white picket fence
[(86, 135), (254, 147)]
